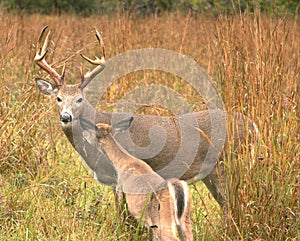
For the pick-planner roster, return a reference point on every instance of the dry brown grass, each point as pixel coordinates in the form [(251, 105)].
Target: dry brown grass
[(45, 192)]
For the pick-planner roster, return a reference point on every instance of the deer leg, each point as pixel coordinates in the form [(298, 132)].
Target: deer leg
[(125, 217), (153, 236), (185, 228), (121, 208), (213, 183), (187, 224)]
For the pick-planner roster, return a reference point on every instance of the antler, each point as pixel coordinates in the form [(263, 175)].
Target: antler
[(41, 51), (86, 78)]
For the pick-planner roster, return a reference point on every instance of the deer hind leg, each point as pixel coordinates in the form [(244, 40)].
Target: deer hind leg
[(213, 182), (153, 233)]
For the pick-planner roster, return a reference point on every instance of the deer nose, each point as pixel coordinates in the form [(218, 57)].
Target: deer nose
[(65, 117)]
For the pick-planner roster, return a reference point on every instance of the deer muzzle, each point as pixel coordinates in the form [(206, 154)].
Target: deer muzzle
[(65, 117)]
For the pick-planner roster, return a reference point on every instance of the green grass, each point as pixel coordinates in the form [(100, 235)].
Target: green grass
[(46, 194)]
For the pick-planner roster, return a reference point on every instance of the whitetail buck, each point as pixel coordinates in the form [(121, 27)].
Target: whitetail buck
[(203, 130), (162, 205)]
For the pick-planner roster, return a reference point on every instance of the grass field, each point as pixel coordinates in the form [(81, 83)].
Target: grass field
[(45, 192)]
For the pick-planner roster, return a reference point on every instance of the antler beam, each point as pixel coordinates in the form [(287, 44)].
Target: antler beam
[(41, 51), (86, 78)]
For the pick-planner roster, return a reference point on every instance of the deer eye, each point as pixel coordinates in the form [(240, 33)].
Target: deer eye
[(79, 100), (58, 99)]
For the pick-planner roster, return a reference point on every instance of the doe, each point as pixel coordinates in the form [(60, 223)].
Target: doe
[(163, 205)]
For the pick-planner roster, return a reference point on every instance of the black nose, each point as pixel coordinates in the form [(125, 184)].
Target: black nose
[(65, 117)]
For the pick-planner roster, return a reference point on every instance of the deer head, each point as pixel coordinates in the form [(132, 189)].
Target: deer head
[(70, 98)]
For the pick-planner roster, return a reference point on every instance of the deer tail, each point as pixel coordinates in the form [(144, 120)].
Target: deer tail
[(179, 192)]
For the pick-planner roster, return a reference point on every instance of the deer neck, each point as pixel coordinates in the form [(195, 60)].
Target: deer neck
[(114, 151)]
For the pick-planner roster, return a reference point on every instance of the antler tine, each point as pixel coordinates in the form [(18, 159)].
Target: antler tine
[(97, 61), (81, 72), (41, 51), (85, 79), (100, 40)]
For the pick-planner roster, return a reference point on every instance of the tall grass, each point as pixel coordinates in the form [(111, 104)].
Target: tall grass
[(46, 194)]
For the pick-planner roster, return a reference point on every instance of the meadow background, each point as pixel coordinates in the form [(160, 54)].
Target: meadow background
[(252, 56)]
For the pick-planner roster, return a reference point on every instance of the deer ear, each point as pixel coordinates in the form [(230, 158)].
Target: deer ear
[(46, 87), (122, 125)]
